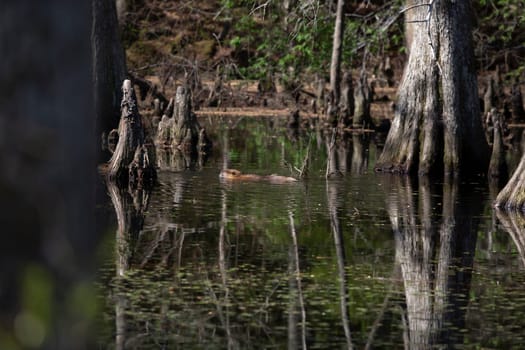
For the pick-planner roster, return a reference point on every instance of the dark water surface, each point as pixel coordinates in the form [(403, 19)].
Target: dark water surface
[(363, 260)]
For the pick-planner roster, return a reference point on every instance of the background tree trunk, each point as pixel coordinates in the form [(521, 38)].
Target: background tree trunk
[(497, 165), (337, 49), (121, 7), (48, 177), (109, 65), (439, 87)]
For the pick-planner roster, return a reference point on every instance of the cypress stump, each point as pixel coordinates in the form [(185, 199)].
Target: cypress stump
[(130, 161)]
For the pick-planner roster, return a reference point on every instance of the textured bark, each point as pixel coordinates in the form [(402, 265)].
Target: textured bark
[(186, 132), (516, 101), (465, 147), (109, 64), (362, 97), (332, 164), (497, 165), (181, 130), (337, 49), (181, 142), (347, 102), (512, 196), (438, 87), (417, 101), (130, 161)]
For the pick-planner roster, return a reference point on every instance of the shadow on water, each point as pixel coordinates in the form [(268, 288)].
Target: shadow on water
[(356, 261)]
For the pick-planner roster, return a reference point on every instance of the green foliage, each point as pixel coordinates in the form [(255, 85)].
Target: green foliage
[(289, 44), (500, 34)]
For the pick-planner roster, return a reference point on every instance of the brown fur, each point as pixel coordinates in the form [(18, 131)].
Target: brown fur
[(234, 174)]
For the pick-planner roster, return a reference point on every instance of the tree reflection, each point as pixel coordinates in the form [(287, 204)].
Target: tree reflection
[(297, 303), (435, 252), (514, 224), (332, 194), (360, 144), (130, 206)]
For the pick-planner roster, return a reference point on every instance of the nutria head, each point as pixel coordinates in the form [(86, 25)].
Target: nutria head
[(229, 173)]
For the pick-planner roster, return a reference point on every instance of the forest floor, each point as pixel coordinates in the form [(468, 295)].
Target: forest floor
[(169, 43)]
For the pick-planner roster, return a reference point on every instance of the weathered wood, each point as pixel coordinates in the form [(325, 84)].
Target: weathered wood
[(164, 132), (497, 165), (320, 104), (180, 138), (361, 118), (186, 128), (512, 196), (489, 99), (332, 165), (140, 168), (347, 102), (439, 87), (130, 145), (516, 102)]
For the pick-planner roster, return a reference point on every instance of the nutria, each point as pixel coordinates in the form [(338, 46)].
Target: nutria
[(234, 174)]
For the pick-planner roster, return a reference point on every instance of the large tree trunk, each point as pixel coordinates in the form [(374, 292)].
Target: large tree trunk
[(439, 88), (109, 65), (48, 175), (465, 145)]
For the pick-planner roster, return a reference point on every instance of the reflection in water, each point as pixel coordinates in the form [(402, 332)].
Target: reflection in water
[(130, 206), (335, 224), (436, 258), (297, 306), (360, 144), (224, 315), (514, 224), (256, 265)]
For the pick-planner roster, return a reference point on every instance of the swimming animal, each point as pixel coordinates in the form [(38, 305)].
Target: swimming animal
[(234, 174)]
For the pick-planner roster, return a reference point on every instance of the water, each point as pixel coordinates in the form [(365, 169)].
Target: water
[(363, 260)]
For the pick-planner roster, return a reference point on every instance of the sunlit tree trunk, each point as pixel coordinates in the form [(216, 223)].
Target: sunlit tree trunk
[(335, 66), (121, 7), (437, 101)]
